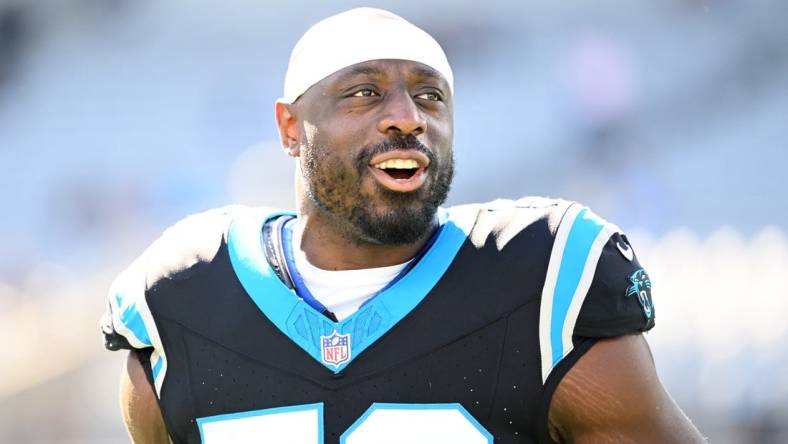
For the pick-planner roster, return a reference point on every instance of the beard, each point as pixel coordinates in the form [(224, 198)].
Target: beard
[(404, 218)]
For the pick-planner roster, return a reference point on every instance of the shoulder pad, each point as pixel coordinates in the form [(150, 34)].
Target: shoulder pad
[(175, 254), (182, 247), (502, 220)]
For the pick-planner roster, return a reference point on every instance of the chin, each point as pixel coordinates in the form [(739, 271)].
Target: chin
[(399, 225)]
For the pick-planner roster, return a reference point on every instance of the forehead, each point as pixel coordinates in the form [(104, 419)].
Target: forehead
[(387, 69)]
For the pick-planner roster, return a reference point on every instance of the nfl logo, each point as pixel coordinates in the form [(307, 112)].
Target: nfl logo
[(335, 348)]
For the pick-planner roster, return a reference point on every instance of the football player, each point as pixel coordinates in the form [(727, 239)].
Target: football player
[(372, 315)]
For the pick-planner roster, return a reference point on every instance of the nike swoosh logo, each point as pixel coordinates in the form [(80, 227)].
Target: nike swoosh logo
[(626, 252)]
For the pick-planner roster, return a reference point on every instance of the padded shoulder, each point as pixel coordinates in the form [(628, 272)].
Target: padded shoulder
[(181, 248), (504, 219), (180, 252), (536, 203), (176, 254)]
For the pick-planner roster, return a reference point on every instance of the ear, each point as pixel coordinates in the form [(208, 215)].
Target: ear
[(288, 129)]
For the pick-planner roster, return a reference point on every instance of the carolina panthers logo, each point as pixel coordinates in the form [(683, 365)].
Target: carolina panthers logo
[(641, 288)]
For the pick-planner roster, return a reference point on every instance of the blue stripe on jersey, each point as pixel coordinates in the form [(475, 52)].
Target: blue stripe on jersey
[(578, 245), (131, 318), (157, 367), (303, 324)]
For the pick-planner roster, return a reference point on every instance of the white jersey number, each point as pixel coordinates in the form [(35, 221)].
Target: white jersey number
[(380, 424)]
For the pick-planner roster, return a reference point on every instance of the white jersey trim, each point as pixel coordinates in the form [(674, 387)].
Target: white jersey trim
[(578, 244)]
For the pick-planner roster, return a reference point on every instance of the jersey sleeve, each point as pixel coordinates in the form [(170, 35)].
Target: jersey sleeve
[(594, 286), (619, 299), (127, 322)]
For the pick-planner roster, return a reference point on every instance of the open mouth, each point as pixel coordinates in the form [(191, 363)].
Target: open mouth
[(400, 170)]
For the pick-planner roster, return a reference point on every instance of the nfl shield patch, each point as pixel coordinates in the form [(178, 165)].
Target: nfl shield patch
[(335, 348)]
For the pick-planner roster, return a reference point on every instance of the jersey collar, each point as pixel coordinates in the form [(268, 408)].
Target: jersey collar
[(336, 344)]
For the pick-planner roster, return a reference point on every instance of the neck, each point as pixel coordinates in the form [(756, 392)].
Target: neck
[(329, 247)]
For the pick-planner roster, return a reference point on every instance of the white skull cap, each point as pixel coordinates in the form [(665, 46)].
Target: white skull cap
[(356, 36)]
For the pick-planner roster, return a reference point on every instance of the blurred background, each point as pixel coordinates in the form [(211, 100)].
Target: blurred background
[(670, 118)]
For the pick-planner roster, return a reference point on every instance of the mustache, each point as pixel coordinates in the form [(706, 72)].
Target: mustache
[(409, 142)]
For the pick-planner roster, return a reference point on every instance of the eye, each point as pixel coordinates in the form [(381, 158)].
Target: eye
[(431, 96), (366, 92)]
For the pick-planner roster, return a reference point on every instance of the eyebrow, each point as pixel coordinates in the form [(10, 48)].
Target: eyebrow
[(426, 71), (420, 70), (364, 70)]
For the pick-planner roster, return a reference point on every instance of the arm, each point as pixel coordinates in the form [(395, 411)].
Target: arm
[(613, 394), (138, 405)]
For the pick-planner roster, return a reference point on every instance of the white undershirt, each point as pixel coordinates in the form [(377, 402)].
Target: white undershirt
[(342, 292)]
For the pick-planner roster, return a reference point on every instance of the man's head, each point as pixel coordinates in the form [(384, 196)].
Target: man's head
[(372, 132)]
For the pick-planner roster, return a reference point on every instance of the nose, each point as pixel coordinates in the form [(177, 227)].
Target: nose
[(401, 115)]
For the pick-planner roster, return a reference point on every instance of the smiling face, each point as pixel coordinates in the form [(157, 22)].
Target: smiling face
[(375, 148)]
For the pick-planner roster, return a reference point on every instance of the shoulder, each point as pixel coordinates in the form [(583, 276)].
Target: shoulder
[(185, 245), (529, 206), (566, 222), (592, 284), (556, 212), (501, 221), (182, 251)]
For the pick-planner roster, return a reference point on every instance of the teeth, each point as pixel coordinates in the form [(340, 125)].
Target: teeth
[(400, 164)]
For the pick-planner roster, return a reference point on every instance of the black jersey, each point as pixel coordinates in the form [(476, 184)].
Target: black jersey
[(467, 347)]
